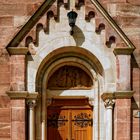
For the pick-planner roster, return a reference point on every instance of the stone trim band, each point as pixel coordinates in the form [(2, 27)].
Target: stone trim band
[(18, 50), (117, 95), (22, 95), (123, 51)]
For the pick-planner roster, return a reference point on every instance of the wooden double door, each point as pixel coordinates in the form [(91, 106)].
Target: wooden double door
[(69, 123)]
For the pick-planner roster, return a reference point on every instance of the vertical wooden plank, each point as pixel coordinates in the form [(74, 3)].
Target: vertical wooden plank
[(81, 128)]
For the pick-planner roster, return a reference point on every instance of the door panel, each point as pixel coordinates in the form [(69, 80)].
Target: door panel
[(57, 123), (81, 124), (69, 124)]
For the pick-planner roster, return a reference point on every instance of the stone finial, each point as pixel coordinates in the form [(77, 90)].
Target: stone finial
[(31, 103), (109, 103)]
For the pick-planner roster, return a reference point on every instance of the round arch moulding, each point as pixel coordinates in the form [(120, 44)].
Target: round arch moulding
[(69, 56)]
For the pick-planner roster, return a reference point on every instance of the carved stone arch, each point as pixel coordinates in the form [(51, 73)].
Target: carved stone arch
[(69, 77), (66, 52), (72, 56)]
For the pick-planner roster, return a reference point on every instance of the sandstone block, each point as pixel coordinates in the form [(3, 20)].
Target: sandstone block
[(31, 8), (5, 138), (18, 103), (4, 131), (5, 31), (123, 102), (5, 78), (6, 21), (128, 21), (4, 68), (127, 10), (135, 2), (5, 115), (136, 127), (19, 2), (136, 136), (117, 1), (122, 115), (20, 20), (12, 9), (3, 89), (18, 114), (18, 131), (4, 101)]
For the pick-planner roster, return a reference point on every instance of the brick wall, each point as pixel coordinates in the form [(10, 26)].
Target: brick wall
[(15, 13), (127, 15)]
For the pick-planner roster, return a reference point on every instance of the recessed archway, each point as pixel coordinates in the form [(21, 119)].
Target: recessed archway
[(69, 77), (67, 52), (67, 57)]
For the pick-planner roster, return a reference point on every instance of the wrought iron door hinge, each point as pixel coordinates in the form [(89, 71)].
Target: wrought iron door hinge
[(83, 120), (55, 120)]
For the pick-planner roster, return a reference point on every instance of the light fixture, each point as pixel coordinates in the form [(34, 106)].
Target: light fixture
[(72, 19)]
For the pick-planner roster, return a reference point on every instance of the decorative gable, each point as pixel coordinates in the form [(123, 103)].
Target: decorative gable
[(50, 9)]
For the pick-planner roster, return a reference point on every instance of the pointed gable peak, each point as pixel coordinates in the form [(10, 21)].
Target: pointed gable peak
[(46, 6)]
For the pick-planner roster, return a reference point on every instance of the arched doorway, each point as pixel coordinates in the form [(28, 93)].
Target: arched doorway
[(55, 67), (69, 117)]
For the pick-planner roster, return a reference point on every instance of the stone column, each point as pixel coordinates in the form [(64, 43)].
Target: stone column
[(31, 104), (109, 106), (18, 109)]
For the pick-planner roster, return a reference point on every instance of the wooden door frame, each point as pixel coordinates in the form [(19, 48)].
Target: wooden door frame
[(71, 100)]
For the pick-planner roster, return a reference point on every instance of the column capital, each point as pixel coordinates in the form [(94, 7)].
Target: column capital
[(109, 103), (31, 103)]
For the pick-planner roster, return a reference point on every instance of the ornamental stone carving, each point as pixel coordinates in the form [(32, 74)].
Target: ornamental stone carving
[(69, 77), (109, 103), (31, 103)]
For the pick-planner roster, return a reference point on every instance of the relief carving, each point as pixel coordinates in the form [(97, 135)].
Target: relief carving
[(109, 103), (31, 103), (69, 77)]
